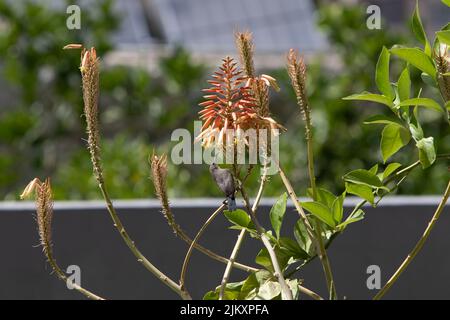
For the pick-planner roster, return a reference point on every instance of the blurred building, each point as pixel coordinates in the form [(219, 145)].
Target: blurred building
[(206, 27)]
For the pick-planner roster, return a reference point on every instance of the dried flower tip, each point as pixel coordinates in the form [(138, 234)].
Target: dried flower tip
[(159, 177), (271, 82), (84, 61), (44, 212), (30, 188), (442, 59), (297, 72), (73, 46), (244, 44), (89, 58), (90, 83)]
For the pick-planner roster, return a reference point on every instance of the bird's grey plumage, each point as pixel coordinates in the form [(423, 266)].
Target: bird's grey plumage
[(225, 181)]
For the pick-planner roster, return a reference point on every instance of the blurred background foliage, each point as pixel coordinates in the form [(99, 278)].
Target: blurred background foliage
[(42, 132)]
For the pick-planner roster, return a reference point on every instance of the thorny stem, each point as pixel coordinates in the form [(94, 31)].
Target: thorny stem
[(240, 240), (286, 291), (90, 84), (140, 257), (61, 275), (191, 247), (230, 263), (417, 247), (315, 235), (182, 234)]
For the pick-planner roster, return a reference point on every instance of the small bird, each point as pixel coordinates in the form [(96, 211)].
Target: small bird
[(225, 181)]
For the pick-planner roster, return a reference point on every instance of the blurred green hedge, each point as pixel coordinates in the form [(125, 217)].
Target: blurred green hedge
[(42, 132)]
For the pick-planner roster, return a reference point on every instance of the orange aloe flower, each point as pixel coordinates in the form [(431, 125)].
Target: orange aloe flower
[(228, 101), (234, 102)]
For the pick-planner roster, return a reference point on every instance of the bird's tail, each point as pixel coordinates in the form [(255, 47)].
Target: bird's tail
[(231, 201)]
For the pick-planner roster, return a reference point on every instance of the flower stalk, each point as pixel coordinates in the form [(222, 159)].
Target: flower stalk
[(419, 245), (44, 217), (90, 83), (159, 177), (296, 68)]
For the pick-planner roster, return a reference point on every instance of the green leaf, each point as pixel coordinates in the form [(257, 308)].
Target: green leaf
[(291, 248), (419, 31), (427, 154), (414, 126), (382, 74), (362, 191), (423, 102), (232, 292), (446, 2), (211, 295), (269, 290), (416, 131), (404, 85), (252, 283), (359, 215), (277, 213), (293, 285), (364, 177), (374, 169), (428, 80), (417, 58), (302, 237), (381, 119), (390, 169), (393, 138), (320, 211), (338, 208), (367, 96), (263, 259), (444, 36), (238, 217), (323, 196)]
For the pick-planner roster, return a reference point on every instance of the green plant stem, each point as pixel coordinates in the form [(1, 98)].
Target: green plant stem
[(309, 293), (401, 174), (130, 243), (315, 235), (229, 267), (418, 246), (240, 240), (191, 247), (278, 273), (183, 236), (61, 275), (323, 252), (323, 256), (310, 153)]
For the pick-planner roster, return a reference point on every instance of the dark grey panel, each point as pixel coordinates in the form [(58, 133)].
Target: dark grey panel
[(86, 238)]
